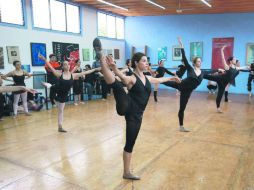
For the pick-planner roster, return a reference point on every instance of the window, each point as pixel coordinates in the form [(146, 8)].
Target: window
[(11, 12), (110, 26), (56, 15)]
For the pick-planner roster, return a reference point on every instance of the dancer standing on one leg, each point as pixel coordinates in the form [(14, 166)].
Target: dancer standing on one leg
[(63, 86), (193, 80), (231, 71), (160, 71), (133, 104), (19, 77)]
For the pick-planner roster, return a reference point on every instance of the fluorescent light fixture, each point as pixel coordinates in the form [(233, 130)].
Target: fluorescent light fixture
[(204, 1), (113, 5), (155, 4)]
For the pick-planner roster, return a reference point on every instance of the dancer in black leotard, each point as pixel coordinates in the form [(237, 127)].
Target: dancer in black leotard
[(78, 84), (250, 78), (65, 82), (193, 80), (231, 71), (133, 104), (160, 71), (19, 77), (129, 70)]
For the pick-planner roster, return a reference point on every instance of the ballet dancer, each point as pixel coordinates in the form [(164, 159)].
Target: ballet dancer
[(64, 84), (133, 104)]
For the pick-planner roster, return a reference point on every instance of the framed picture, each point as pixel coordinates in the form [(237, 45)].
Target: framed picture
[(162, 53), (176, 53), (26, 68), (116, 54), (66, 52), (36, 49), (250, 53), (13, 53), (218, 43), (196, 50), (1, 58), (86, 54)]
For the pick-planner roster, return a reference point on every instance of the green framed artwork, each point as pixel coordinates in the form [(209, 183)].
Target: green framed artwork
[(86, 54), (162, 53), (176, 54), (196, 50), (250, 53)]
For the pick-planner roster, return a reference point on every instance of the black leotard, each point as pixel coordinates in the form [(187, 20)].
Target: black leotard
[(62, 89)]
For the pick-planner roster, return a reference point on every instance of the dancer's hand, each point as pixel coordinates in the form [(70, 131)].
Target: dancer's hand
[(180, 41), (30, 90), (110, 62), (177, 79), (223, 47)]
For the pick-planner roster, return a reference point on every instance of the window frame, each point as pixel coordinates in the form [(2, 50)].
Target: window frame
[(116, 16), (24, 26), (50, 23)]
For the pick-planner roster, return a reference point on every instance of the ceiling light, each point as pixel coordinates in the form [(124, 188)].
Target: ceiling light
[(204, 1), (113, 5), (155, 4)]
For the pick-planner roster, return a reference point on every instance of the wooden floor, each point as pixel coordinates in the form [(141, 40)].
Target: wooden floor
[(218, 154)]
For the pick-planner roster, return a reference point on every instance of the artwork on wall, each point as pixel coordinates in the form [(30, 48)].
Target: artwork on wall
[(26, 68), (66, 52), (176, 53), (36, 49), (13, 53), (162, 53), (139, 49), (37, 79), (218, 43), (86, 54), (116, 54), (196, 50), (250, 53), (1, 58)]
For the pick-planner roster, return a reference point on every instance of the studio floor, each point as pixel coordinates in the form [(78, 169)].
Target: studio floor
[(218, 153)]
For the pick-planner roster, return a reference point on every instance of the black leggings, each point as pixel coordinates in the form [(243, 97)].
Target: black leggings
[(250, 79), (126, 107), (184, 98), (221, 82), (1, 105)]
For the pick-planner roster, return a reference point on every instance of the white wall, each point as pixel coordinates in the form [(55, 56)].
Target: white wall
[(12, 36)]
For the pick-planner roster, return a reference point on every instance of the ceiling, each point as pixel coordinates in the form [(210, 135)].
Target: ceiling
[(143, 8)]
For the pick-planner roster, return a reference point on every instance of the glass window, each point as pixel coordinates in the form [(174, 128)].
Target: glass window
[(41, 17), (119, 28), (73, 21), (58, 17)]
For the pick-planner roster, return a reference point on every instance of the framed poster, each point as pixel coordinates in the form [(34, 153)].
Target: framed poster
[(218, 43), (176, 53), (66, 52), (86, 54), (36, 49), (196, 50), (1, 58), (116, 54), (162, 53), (26, 68), (13, 53), (250, 53)]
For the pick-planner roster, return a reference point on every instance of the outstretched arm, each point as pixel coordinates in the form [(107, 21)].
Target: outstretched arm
[(127, 80), (169, 72), (55, 72), (185, 61), (15, 88), (163, 79), (77, 75), (226, 67)]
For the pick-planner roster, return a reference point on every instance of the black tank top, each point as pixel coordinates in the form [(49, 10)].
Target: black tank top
[(231, 74), (64, 85), (129, 73), (19, 80), (79, 71), (140, 93)]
